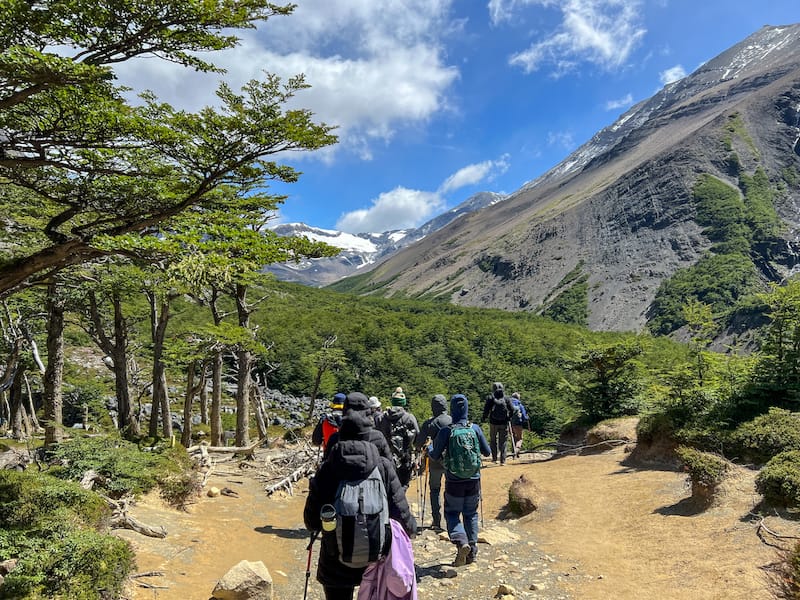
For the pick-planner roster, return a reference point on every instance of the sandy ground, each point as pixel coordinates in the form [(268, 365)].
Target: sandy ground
[(611, 531)]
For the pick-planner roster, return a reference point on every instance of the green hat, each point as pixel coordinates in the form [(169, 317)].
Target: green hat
[(398, 397)]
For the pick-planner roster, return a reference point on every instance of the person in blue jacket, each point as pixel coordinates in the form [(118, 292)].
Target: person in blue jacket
[(519, 419), (461, 496)]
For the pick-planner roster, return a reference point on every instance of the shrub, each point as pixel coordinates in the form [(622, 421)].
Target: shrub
[(53, 529), (779, 480), (784, 576), (123, 467), (654, 427), (768, 435), (706, 471)]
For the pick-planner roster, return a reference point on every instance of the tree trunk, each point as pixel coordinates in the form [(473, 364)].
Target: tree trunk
[(258, 409), (20, 426), (54, 372), (159, 317), (244, 381), (127, 424), (216, 399), (186, 434), (204, 400)]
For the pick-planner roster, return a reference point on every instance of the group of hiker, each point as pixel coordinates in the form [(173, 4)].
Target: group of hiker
[(357, 498)]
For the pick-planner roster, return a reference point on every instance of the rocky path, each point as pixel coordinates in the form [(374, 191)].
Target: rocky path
[(603, 531)]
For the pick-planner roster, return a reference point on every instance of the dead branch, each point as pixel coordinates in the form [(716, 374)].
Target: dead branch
[(303, 471), (120, 519), (247, 450)]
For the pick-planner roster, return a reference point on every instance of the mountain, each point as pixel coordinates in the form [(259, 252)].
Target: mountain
[(362, 251), (695, 186)]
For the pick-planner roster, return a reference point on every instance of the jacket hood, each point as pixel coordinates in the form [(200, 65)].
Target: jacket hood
[(497, 390), (459, 408), (355, 425), (438, 405)]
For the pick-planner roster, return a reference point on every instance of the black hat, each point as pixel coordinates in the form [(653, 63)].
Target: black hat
[(356, 401)]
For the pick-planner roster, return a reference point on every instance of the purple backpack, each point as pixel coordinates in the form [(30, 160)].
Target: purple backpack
[(393, 577)]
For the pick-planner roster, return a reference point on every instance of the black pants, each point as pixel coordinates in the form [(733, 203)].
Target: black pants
[(338, 593)]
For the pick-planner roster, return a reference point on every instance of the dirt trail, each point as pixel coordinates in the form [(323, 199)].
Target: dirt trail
[(603, 531)]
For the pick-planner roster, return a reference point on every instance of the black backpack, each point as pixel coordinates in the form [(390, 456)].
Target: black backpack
[(400, 438), (499, 411)]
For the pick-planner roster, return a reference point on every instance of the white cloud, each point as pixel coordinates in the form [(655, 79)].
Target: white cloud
[(373, 66), (564, 139), (601, 32), (401, 208), (623, 102), (475, 173), (672, 74)]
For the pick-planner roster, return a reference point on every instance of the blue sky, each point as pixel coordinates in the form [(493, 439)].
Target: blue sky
[(436, 100)]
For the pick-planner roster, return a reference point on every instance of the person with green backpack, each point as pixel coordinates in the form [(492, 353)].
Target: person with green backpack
[(460, 447)]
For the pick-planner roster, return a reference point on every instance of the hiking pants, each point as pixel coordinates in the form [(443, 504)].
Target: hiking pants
[(338, 593), (517, 431), (435, 474), (461, 500), (498, 434)]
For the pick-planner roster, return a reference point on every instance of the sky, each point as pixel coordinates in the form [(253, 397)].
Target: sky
[(437, 100)]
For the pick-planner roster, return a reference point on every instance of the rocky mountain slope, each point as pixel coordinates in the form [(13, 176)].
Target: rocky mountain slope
[(362, 251), (619, 214)]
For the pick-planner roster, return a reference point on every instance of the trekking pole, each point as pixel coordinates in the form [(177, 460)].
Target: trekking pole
[(314, 535), (424, 487)]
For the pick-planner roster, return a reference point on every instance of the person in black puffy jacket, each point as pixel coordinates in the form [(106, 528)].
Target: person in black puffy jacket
[(351, 458)]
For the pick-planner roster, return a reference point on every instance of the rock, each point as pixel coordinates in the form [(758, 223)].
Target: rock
[(7, 566), (496, 535), (505, 590), (523, 496), (245, 581), (213, 492)]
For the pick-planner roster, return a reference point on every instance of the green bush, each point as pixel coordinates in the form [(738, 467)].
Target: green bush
[(654, 427), (706, 471), (779, 480), (123, 467), (768, 435), (54, 530)]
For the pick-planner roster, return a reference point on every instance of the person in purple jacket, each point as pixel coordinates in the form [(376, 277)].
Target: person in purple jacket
[(461, 495)]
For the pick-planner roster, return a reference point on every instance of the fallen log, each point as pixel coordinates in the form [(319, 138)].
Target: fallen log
[(248, 450), (286, 483), (120, 519)]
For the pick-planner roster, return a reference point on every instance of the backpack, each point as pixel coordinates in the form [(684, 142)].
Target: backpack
[(400, 438), (330, 425), (499, 412), (517, 418), (462, 457), (362, 520)]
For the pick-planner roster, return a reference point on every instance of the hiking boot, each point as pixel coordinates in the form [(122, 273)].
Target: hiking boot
[(461, 558), (437, 525)]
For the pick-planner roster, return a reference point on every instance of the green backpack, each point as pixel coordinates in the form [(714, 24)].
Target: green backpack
[(462, 457)]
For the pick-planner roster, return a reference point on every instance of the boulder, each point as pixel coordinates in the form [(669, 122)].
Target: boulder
[(523, 496), (245, 581)]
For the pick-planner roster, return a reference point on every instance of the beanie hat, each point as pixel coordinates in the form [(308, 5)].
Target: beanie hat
[(515, 395), (373, 402), (356, 401), (338, 401), (398, 397)]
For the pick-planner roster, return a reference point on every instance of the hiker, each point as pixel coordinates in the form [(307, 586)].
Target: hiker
[(400, 428), (427, 433), (377, 411), (459, 446), (356, 402), (353, 460), (519, 419), (499, 410), (329, 423)]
